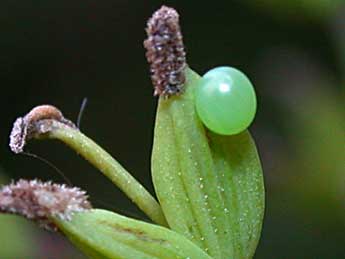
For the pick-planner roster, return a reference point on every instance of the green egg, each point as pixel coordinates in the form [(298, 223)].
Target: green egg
[(225, 101)]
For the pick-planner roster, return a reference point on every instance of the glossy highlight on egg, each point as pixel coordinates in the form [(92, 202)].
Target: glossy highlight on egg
[(225, 101)]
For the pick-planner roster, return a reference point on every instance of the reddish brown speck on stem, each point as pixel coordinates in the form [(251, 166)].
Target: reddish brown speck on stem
[(44, 112), (37, 121), (165, 52)]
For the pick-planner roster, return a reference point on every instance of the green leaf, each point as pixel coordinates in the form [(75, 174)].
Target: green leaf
[(102, 234), (210, 187), (17, 235)]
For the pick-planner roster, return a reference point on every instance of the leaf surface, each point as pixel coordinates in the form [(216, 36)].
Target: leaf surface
[(210, 186), (102, 234)]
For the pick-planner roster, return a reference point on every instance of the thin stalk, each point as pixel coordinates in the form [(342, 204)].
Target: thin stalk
[(103, 161)]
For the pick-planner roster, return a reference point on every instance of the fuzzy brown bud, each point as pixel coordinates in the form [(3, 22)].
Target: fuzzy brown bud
[(38, 121), (165, 52), (40, 201)]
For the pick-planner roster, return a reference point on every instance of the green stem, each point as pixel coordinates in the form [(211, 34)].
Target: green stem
[(99, 158)]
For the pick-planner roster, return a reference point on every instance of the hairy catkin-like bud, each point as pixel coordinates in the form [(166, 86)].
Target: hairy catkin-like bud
[(38, 121), (39, 201), (165, 52)]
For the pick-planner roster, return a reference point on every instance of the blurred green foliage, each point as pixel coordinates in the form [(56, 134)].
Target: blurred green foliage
[(60, 51), (17, 235), (302, 9)]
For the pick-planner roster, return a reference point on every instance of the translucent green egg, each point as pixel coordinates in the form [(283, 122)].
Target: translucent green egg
[(225, 100)]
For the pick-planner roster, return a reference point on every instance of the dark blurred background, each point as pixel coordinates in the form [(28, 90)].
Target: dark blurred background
[(58, 52)]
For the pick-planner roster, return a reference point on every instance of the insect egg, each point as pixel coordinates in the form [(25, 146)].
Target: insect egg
[(225, 101)]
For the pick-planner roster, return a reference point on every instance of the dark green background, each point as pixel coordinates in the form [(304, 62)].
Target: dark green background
[(58, 52)]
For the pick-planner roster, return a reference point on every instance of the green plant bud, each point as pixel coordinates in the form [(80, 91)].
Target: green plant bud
[(210, 186), (102, 234)]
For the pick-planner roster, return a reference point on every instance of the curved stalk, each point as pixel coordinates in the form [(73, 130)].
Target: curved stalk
[(103, 161)]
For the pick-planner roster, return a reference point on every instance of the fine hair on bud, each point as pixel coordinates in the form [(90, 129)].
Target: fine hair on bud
[(38, 121), (165, 52), (39, 201)]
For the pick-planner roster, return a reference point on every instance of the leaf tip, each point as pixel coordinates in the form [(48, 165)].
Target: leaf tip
[(165, 52), (38, 121), (39, 201)]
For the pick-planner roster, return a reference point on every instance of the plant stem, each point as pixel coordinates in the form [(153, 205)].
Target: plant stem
[(99, 158)]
